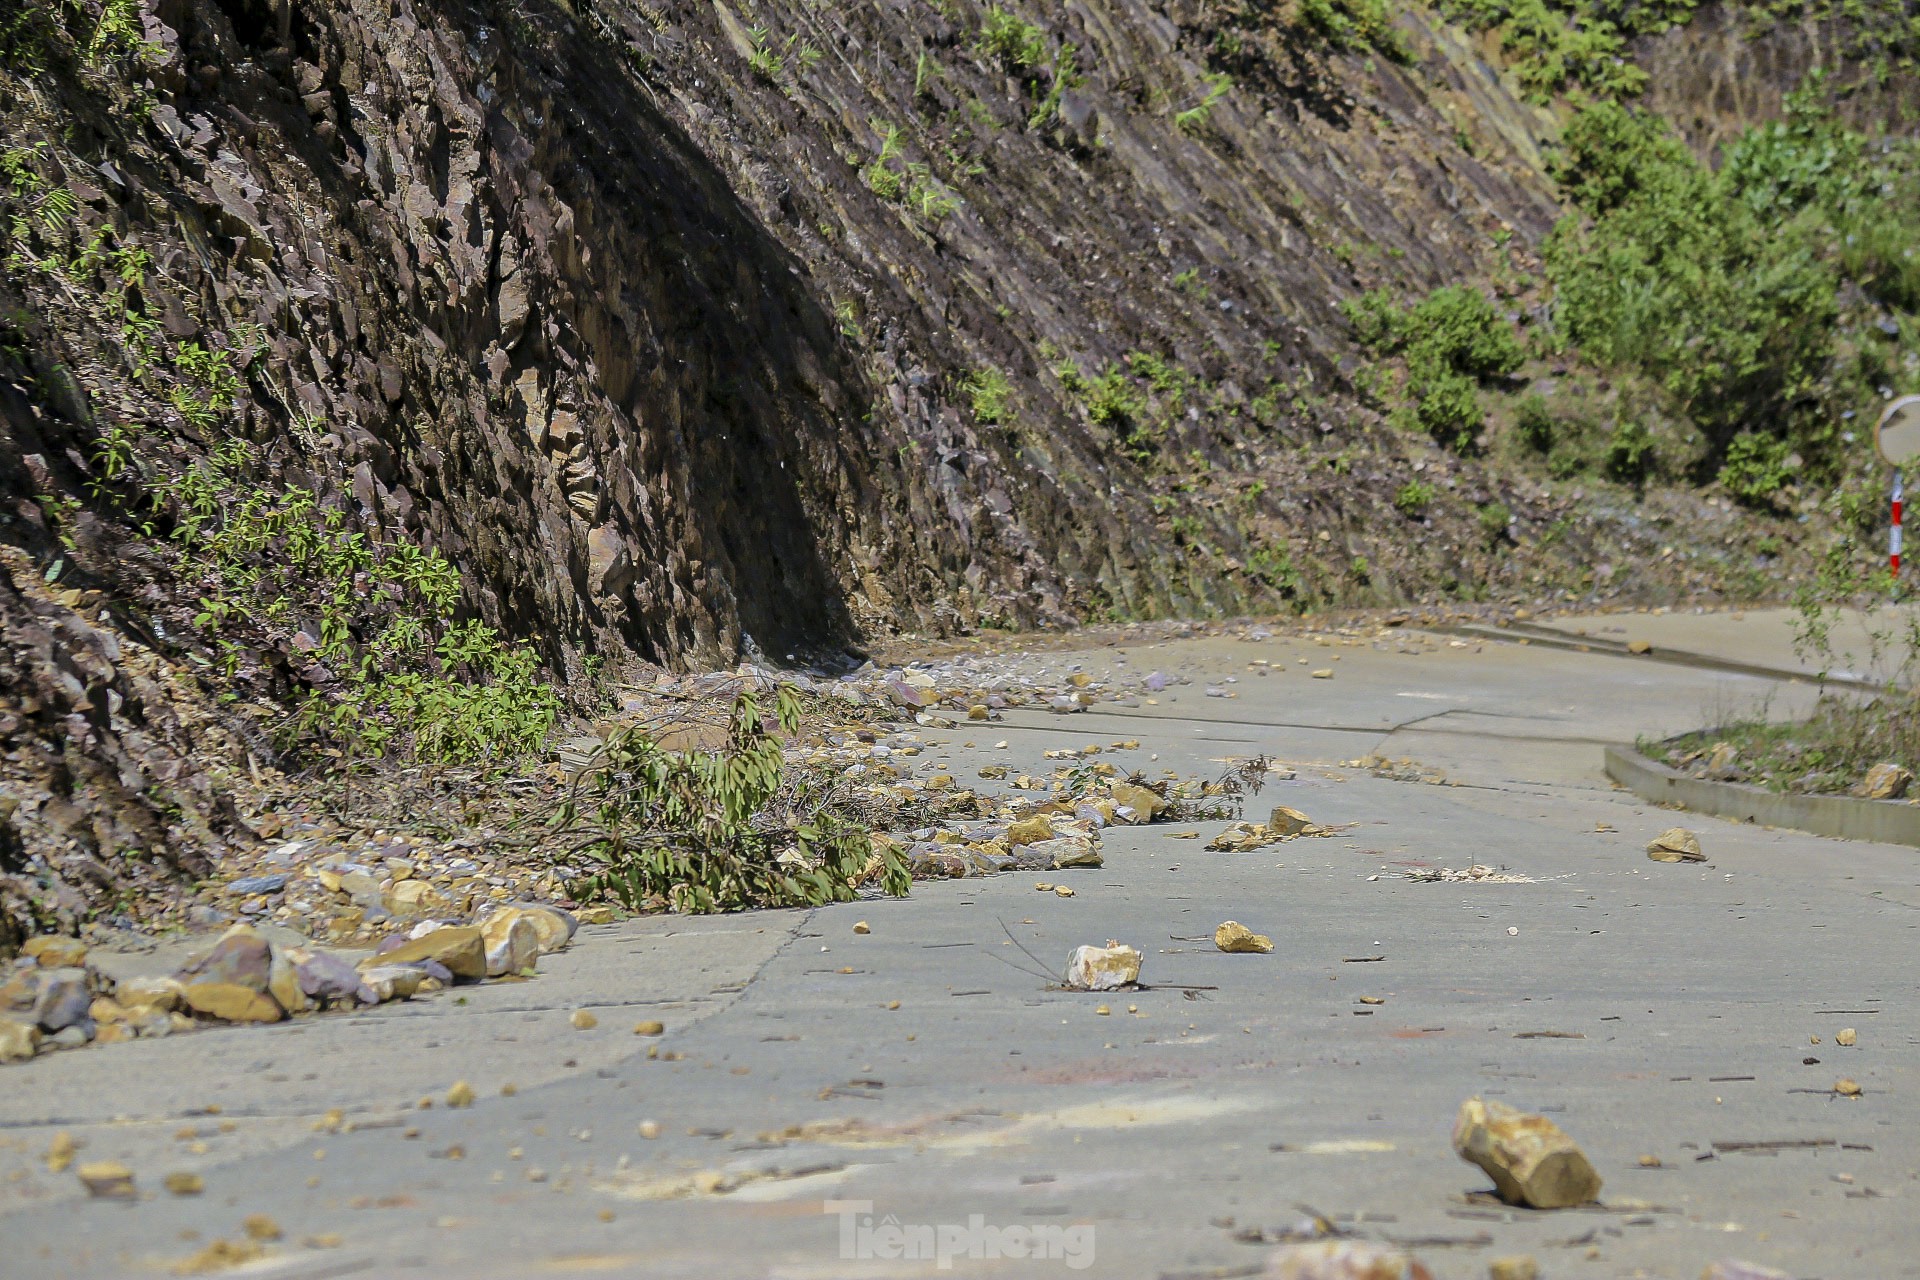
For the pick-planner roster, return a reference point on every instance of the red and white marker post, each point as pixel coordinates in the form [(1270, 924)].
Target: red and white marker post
[(1897, 437), (1893, 539)]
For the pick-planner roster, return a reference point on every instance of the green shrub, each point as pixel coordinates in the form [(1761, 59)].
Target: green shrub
[(1534, 423), (1450, 339), (1630, 452), (1728, 289), (1550, 52), (1495, 517), (1457, 326), (720, 830), (1676, 276), (1448, 408), (1375, 318), (1413, 498), (1756, 468), (278, 570)]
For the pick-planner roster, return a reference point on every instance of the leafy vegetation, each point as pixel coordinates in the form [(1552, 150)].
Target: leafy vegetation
[(1829, 752), (1535, 424), (908, 182), (1355, 24), (989, 394), (1019, 45), (777, 63), (370, 621), (1554, 48), (1414, 498), (1451, 341), (1195, 117), (396, 670), (1631, 452), (721, 830), (1761, 298)]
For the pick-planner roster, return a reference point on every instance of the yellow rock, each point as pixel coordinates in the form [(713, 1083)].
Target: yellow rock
[(1242, 837), (861, 926), (259, 1226), (55, 951), (1233, 936), (18, 1040), (106, 1009), (183, 1183), (231, 1002), (1531, 1161), (459, 947), (1030, 831), (1324, 673), (1342, 1260), (1079, 679), (1145, 803), (108, 1179), (416, 898), (1676, 844), (1102, 1010), (594, 915), (60, 1152), (1284, 821), (164, 994), (512, 949), (1846, 1038), (460, 1095), (1062, 891), (548, 924), (583, 1020), (283, 982), (1103, 968), (113, 1033), (1522, 1267), (1847, 1088), (977, 711), (649, 1028), (219, 1255)]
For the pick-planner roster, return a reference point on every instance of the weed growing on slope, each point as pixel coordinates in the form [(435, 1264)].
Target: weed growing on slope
[(1451, 340), (989, 394), (1195, 117), (1356, 24), (391, 665)]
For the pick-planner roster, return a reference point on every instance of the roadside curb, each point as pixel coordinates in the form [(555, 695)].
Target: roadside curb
[(1881, 821)]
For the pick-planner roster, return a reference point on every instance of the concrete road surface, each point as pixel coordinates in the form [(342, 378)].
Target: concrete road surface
[(823, 1098)]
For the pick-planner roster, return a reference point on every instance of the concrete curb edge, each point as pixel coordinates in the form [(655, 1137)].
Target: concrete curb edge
[(1881, 821)]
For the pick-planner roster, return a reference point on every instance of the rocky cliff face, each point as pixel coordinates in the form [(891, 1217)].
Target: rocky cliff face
[(688, 328)]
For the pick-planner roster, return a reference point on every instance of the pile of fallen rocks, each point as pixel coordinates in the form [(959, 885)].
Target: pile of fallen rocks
[(54, 999)]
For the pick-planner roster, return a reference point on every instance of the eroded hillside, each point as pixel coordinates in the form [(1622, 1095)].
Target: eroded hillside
[(362, 360)]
